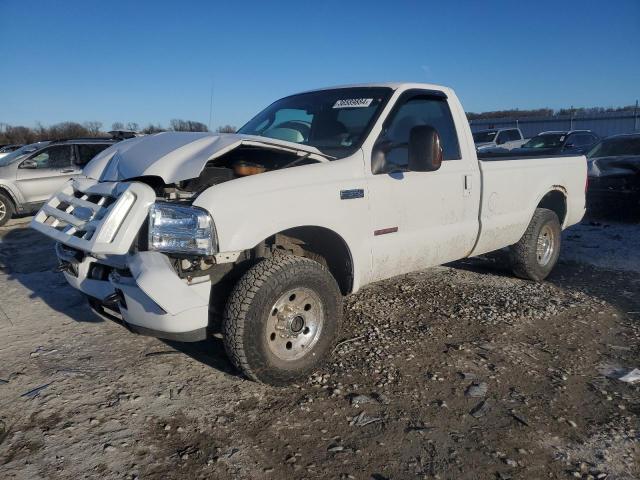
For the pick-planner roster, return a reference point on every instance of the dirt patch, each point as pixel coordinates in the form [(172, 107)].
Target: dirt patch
[(456, 372)]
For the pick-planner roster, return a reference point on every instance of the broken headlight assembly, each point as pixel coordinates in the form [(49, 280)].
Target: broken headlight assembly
[(181, 229)]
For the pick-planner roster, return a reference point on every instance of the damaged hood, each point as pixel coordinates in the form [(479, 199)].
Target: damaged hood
[(614, 166), (176, 156)]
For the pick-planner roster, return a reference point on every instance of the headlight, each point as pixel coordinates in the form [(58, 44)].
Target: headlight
[(179, 229)]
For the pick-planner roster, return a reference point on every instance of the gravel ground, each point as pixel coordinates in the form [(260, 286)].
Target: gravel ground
[(456, 372)]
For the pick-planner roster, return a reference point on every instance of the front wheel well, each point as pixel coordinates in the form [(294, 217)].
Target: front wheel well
[(556, 201), (7, 193), (322, 245)]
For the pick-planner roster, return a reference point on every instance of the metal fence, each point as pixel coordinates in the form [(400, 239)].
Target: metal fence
[(604, 124)]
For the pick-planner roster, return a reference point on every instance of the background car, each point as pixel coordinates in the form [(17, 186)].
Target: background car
[(505, 138), (563, 142), (614, 176), (7, 149), (32, 173)]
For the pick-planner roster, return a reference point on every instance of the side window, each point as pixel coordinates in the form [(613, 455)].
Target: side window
[(87, 151), (513, 135), (580, 140), (421, 111), (53, 157)]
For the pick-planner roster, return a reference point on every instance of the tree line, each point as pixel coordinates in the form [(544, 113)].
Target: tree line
[(548, 112), (21, 135)]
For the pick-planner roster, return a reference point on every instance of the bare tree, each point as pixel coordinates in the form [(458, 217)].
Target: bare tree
[(133, 126), (67, 130), (18, 134), (151, 128), (178, 125), (226, 129), (93, 128)]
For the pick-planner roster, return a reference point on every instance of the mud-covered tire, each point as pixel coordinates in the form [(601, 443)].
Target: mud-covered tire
[(6, 209), (532, 258), (249, 319)]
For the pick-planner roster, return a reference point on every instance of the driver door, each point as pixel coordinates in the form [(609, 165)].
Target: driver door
[(45, 172), (422, 219)]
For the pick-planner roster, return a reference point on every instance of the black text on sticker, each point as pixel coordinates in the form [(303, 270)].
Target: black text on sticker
[(353, 103)]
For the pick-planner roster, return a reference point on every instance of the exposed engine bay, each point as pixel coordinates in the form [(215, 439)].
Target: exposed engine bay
[(241, 162), (238, 163)]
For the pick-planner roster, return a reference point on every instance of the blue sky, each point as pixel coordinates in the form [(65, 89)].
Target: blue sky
[(151, 61)]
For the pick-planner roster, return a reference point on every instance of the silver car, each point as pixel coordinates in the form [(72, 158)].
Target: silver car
[(31, 174)]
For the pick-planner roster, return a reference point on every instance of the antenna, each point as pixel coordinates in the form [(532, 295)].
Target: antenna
[(211, 105)]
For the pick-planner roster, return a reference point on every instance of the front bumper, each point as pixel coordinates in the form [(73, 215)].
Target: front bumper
[(144, 290), (95, 225)]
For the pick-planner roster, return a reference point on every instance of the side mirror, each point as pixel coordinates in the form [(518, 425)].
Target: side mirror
[(28, 164), (500, 141), (425, 149)]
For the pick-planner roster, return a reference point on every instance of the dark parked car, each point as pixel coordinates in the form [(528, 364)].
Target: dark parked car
[(614, 176), (7, 149), (547, 144), (551, 143)]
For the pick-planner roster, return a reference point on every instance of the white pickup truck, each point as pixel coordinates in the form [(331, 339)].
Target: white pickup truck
[(502, 138), (259, 235)]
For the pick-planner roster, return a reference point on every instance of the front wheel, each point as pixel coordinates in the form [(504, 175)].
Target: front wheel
[(537, 252), (6, 209), (282, 318)]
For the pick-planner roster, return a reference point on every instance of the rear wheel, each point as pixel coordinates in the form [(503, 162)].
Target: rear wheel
[(282, 318), (6, 209), (537, 252)]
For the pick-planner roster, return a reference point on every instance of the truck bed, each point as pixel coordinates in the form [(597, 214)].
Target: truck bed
[(514, 185)]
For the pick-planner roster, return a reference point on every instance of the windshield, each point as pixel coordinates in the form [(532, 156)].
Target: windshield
[(616, 146), (546, 140), (482, 137), (334, 121), (22, 151)]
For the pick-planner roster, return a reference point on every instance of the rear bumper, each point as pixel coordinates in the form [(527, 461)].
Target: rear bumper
[(144, 292)]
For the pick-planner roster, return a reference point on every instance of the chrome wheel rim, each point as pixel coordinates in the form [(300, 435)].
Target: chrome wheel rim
[(3, 210), (546, 245), (295, 324)]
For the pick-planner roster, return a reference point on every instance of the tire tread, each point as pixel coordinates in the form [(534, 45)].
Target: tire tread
[(522, 254), (240, 302)]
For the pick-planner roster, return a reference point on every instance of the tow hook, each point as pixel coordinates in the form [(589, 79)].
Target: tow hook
[(66, 267), (116, 299), (111, 299)]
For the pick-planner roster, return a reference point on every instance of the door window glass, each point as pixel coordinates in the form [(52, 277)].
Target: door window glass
[(512, 135), (421, 111), (87, 151), (53, 157)]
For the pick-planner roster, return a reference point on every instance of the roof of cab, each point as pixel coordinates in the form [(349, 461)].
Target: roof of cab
[(392, 85)]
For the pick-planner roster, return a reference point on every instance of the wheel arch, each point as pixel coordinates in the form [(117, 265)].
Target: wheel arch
[(555, 199), (321, 244), (9, 194)]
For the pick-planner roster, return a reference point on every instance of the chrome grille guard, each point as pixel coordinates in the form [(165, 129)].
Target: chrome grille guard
[(101, 218)]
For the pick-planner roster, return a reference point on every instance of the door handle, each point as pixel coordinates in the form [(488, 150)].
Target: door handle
[(468, 184), (67, 170)]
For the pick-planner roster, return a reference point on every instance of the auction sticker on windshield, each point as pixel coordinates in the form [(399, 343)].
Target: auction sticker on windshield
[(353, 103)]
